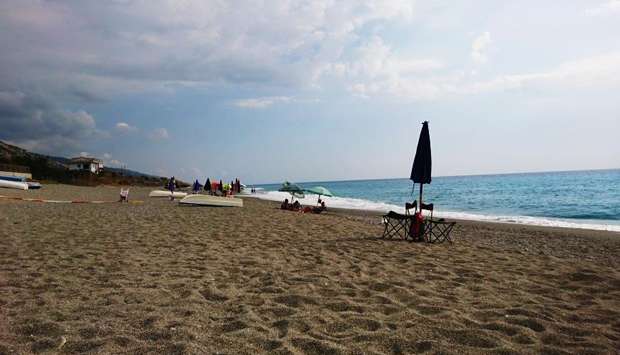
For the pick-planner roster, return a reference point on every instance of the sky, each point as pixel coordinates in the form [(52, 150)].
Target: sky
[(314, 90)]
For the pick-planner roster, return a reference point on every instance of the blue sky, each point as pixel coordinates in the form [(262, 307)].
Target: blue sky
[(313, 90)]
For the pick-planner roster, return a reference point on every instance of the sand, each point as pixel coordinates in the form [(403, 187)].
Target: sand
[(156, 278)]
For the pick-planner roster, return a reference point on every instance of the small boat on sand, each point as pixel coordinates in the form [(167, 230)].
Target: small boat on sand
[(208, 200), (33, 185), (165, 193), (14, 185), (12, 178)]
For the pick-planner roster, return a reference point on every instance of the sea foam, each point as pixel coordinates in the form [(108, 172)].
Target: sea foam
[(366, 205)]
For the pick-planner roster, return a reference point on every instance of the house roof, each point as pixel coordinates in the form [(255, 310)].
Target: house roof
[(83, 160)]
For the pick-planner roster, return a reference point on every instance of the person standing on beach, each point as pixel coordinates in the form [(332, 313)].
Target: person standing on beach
[(171, 188)]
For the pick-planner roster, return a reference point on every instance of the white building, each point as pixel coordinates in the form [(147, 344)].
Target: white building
[(81, 163)]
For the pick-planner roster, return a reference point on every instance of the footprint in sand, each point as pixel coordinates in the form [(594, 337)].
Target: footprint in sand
[(527, 323), (212, 296), (294, 301), (313, 347)]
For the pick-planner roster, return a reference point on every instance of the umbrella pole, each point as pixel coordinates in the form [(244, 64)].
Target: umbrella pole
[(421, 188)]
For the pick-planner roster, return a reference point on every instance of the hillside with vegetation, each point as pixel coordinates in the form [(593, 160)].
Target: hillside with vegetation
[(51, 170)]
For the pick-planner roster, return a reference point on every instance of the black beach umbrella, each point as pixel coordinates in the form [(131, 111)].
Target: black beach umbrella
[(221, 186), (208, 185), (422, 164)]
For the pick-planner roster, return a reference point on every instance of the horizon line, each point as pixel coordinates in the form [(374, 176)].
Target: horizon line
[(448, 176)]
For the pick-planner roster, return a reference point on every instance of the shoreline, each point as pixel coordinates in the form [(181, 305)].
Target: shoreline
[(590, 231)]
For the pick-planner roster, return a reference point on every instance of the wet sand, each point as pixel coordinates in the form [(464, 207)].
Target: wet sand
[(156, 278)]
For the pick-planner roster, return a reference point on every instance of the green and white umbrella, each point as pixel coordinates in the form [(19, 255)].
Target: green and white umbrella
[(293, 189), (320, 190)]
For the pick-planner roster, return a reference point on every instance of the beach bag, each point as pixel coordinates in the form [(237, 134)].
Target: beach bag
[(417, 225)]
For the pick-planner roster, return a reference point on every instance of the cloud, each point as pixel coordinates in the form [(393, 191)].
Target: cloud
[(93, 52), (479, 45), (599, 71), (196, 171), (114, 163), (158, 134), (604, 8), (38, 123), (84, 154), (162, 172), (108, 161), (262, 102), (124, 128), (376, 69)]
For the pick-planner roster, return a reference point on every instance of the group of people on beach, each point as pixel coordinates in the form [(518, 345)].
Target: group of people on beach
[(296, 207), (215, 189)]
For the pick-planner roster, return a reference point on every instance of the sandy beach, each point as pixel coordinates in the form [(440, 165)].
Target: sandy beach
[(156, 278)]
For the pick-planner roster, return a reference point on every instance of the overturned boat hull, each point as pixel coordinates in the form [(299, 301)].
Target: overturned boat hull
[(207, 200), (164, 193), (13, 185)]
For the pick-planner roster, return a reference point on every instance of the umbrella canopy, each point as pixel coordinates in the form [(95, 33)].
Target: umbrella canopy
[(422, 163), (293, 189), (221, 186), (208, 185), (320, 190)]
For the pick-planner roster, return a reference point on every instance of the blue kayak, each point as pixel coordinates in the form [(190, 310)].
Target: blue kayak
[(11, 178)]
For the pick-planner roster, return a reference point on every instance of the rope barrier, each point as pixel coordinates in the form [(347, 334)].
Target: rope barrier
[(77, 202)]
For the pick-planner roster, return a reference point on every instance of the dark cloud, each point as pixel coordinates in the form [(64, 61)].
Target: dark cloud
[(38, 122), (88, 52), (89, 96)]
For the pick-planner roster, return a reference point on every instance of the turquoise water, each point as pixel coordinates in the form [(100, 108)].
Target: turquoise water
[(579, 199)]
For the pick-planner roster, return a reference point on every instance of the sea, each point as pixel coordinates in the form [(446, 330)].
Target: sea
[(575, 199)]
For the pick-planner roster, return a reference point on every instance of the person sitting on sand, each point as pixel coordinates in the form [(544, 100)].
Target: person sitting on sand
[(124, 197), (284, 205), (295, 206), (315, 210)]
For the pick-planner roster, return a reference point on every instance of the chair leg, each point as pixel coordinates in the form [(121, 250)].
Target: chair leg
[(394, 228), (441, 234), (385, 231), (446, 234), (398, 227)]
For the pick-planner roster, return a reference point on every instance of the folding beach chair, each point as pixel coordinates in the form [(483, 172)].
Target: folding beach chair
[(436, 230), (428, 207), (124, 194), (411, 206), (396, 224)]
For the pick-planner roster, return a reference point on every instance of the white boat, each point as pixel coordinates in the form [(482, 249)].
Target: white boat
[(165, 193), (12, 178), (14, 185), (32, 185), (208, 200)]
